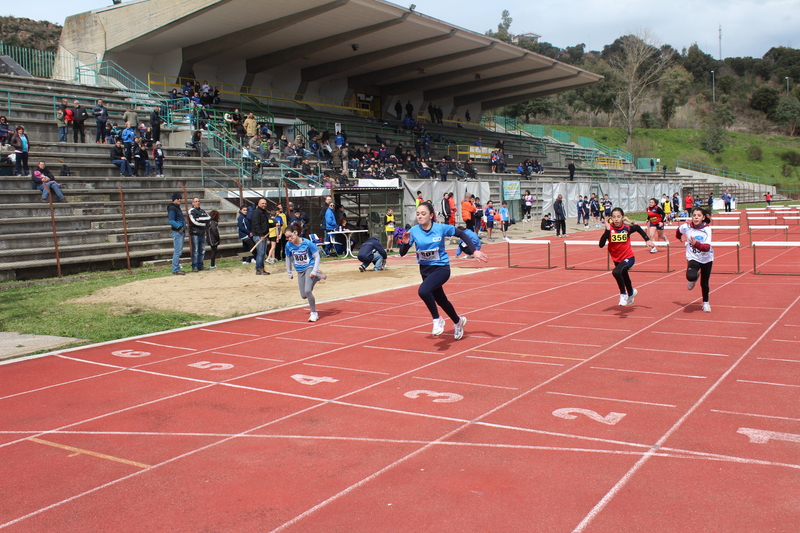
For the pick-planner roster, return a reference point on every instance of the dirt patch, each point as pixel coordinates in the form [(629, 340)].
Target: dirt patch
[(236, 290)]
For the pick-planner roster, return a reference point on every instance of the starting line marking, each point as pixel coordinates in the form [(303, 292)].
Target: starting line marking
[(684, 333), (251, 356), (648, 372), (401, 350), (514, 360), (87, 452), (783, 340), (306, 339), (767, 383), (720, 321), (166, 346), (531, 355), (610, 399), (676, 351), (358, 327), (345, 368), (231, 332), (557, 342), (582, 327), (753, 414), (465, 383)]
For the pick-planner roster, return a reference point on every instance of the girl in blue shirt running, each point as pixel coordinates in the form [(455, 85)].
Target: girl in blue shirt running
[(434, 265), (304, 255)]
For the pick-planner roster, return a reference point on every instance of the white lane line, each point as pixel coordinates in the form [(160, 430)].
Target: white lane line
[(684, 333), (582, 327), (306, 339), (231, 332), (720, 321), (675, 351), (601, 315), (611, 399), (401, 350), (647, 372), (471, 336), (494, 322), (783, 340), (295, 322), (60, 384), (557, 342), (345, 368), (465, 383), (252, 356), (358, 327), (753, 414), (514, 360), (775, 359), (792, 325), (767, 383), (166, 345)]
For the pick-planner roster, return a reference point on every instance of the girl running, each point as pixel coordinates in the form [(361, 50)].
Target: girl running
[(305, 256), (655, 217), (434, 265), (618, 234), (696, 234)]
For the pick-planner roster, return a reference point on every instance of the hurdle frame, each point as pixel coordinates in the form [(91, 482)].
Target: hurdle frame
[(784, 227), (608, 256), (528, 241), (730, 244), (770, 244)]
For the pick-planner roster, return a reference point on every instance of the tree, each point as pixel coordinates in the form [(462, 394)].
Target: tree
[(502, 28), (639, 65), (788, 113), (599, 97), (765, 99), (698, 63), (673, 84)]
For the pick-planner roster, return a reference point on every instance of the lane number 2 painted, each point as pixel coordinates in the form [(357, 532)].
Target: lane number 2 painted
[(438, 397), (570, 413)]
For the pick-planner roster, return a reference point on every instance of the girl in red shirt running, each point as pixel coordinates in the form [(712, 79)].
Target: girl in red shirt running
[(655, 218), (618, 234)]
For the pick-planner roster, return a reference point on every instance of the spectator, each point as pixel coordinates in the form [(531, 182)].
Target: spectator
[(371, 252), (130, 116), (128, 135), (254, 146), (398, 110), (79, 122), (561, 217), (571, 168), (61, 122), (44, 181), (443, 167), (158, 157), (466, 116), (21, 149), (119, 160), (245, 235), (140, 157), (547, 224), (5, 131), (472, 173), (155, 124), (250, 125), (101, 117), (409, 110), (177, 224), (198, 221), (212, 236), (291, 154)]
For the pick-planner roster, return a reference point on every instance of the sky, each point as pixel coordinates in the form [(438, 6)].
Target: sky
[(749, 27)]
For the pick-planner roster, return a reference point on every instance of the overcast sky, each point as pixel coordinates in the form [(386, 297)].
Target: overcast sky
[(749, 27)]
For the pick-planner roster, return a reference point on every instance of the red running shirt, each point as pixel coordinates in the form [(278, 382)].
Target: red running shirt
[(655, 215), (619, 246)]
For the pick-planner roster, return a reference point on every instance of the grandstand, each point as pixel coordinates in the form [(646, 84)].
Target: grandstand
[(401, 57)]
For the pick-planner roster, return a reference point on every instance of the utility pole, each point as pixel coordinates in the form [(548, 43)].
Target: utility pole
[(713, 94), (720, 42)]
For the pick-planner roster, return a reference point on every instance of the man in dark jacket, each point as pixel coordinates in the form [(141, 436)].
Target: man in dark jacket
[(470, 170), (198, 219), (78, 124), (372, 252), (119, 159), (571, 168), (260, 224), (560, 217), (101, 117), (178, 226)]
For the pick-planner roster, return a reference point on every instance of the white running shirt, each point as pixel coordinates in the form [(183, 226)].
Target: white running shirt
[(701, 234)]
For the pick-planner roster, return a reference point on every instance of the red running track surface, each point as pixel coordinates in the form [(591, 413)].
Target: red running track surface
[(559, 411)]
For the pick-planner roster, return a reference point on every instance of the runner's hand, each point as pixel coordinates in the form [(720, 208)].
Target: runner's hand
[(291, 275), (480, 256)]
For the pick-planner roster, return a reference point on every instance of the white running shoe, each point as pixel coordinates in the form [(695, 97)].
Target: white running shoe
[(438, 326), (632, 297), (314, 317), (459, 329), (623, 300), (653, 250), (690, 284), (706, 307)]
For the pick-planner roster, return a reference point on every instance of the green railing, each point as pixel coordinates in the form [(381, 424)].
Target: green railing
[(109, 74), (723, 173), (38, 62), (643, 163), (561, 136)]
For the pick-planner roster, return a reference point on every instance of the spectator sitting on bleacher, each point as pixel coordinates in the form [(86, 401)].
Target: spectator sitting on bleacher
[(188, 90), (206, 100), (140, 157), (290, 153), (5, 131), (44, 180), (255, 146), (547, 224), (523, 170), (173, 98), (119, 160)]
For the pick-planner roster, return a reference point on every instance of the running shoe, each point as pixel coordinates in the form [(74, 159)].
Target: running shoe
[(653, 250), (438, 326), (623, 300), (632, 297), (314, 317), (459, 328), (706, 307), (690, 284), (565, 235), (362, 268)]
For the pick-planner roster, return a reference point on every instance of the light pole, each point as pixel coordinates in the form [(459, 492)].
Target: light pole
[(713, 92), (787, 85)]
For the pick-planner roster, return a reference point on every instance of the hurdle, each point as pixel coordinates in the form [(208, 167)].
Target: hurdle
[(769, 244), (608, 257), (737, 228), (731, 244), (529, 241), (771, 226), (763, 218), (791, 218)]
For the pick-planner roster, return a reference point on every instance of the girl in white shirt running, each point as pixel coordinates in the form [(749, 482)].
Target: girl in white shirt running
[(696, 235)]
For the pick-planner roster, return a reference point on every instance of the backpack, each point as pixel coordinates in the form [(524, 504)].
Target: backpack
[(65, 171)]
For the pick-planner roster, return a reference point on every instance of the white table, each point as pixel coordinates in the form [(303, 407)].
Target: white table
[(347, 233)]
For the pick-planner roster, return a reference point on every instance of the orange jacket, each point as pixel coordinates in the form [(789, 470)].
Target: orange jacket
[(467, 210)]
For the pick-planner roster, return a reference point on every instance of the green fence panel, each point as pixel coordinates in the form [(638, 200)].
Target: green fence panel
[(561, 136), (586, 142)]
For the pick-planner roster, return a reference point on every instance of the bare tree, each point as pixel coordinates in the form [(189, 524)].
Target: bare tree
[(638, 65)]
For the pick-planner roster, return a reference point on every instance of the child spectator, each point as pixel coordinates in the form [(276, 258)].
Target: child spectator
[(158, 157), (505, 219), (212, 235), (388, 221), (371, 252)]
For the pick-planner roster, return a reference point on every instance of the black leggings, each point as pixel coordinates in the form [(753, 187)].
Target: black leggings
[(432, 293), (561, 227), (705, 275), (213, 255), (620, 273)]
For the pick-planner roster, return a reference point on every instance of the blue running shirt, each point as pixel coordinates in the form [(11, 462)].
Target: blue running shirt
[(302, 254), (430, 244)]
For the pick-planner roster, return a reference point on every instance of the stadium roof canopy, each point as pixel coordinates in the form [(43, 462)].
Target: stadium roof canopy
[(319, 48)]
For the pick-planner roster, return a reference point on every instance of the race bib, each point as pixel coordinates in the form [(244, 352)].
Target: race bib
[(301, 258), (428, 255), (619, 237)]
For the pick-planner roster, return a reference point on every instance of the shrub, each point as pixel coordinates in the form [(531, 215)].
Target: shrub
[(787, 170), (755, 153), (792, 157)]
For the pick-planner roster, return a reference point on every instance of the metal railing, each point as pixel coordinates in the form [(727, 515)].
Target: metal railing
[(38, 62), (723, 173)]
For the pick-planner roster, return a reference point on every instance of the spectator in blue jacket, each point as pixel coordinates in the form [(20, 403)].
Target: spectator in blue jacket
[(372, 252), (127, 136), (245, 234), (330, 225), (178, 226)]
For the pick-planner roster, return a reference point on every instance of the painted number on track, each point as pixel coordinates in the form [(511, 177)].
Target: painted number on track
[(439, 397), (759, 436), (130, 353), (312, 380), (567, 413), (208, 365)]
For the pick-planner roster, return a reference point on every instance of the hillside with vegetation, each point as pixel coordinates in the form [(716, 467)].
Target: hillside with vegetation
[(27, 33)]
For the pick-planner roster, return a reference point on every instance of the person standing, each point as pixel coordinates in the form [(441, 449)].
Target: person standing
[(158, 157), (177, 224), (409, 109), (398, 109), (468, 211), (446, 208), (388, 227), (443, 166), (212, 236), (560, 217), (452, 201), (261, 224), (527, 204), (245, 234), (128, 135), (434, 265), (688, 201), (505, 219), (280, 222), (305, 258), (726, 199), (571, 168), (61, 122), (198, 220), (101, 117), (618, 234), (696, 235), (21, 149), (79, 122), (130, 116), (155, 124)]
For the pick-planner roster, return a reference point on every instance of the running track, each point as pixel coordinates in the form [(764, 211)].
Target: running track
[(558, 411)]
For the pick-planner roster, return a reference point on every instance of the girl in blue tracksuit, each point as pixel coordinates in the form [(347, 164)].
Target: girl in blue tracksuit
[(434, 264), (305, 257)]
